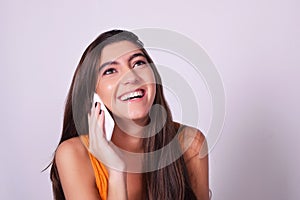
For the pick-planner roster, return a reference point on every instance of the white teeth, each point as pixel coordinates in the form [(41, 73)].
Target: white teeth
[(132, 95)]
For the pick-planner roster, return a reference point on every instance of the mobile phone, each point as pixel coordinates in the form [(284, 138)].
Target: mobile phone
[(109, 121)]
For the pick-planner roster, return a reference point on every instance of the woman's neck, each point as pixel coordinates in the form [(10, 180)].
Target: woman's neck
[(128, 135)]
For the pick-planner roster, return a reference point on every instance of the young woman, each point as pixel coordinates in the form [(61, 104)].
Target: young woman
[(87, 166)]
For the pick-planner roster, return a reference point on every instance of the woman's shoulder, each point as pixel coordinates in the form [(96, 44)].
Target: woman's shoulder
[(192, 141), (189, 132), (71, 151), (75, 170), (72, 145), (195, 154)]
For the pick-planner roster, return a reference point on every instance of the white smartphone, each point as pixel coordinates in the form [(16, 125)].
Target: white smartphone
[(109, 122)]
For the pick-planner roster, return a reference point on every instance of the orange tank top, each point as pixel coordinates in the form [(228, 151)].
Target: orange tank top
[(101, 174)]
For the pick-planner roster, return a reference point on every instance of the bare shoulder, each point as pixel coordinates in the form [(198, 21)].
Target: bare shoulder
[(195, 155), (70, 149), (75, 170), (72, 155), (192, 141)]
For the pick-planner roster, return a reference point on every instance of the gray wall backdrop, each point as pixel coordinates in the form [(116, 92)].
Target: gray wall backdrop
[(254, 45)]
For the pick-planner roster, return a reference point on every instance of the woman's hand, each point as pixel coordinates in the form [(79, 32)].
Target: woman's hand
[(98, 145)]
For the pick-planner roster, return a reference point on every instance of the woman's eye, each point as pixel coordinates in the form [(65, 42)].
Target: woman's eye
[(109, 71), (138, 63)]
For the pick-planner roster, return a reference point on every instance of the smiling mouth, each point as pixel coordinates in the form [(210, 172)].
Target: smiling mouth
[(133, 95)]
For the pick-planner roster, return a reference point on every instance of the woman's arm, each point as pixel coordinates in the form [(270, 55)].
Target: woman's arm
[(117, 185), (77, 176), (75, 170), (196, 159), (104, 152)]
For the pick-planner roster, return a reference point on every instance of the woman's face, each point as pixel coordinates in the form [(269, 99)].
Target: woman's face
[(126, 82)]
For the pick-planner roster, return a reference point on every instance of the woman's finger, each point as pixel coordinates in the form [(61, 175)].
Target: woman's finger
[(96, 129)]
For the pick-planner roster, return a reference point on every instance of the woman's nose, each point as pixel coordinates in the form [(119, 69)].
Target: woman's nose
[(130, 77)]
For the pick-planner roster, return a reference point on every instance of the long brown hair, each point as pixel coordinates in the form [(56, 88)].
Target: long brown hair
[(170, 182)]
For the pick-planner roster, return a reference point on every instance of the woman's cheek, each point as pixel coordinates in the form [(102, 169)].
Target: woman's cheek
[(106, 91), (148, 76)]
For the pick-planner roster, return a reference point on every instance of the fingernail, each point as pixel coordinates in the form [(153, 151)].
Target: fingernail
[(96, 104), (100, 112)]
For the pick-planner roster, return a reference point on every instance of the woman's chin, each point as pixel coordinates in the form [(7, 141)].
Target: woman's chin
[(136, 118), (139, 118)]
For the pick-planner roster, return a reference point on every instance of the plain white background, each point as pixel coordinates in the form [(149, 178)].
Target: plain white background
[(254, 44)]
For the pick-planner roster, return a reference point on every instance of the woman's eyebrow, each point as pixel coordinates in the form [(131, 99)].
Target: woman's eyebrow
[(115, 62), (136, 55), (107, 63)]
